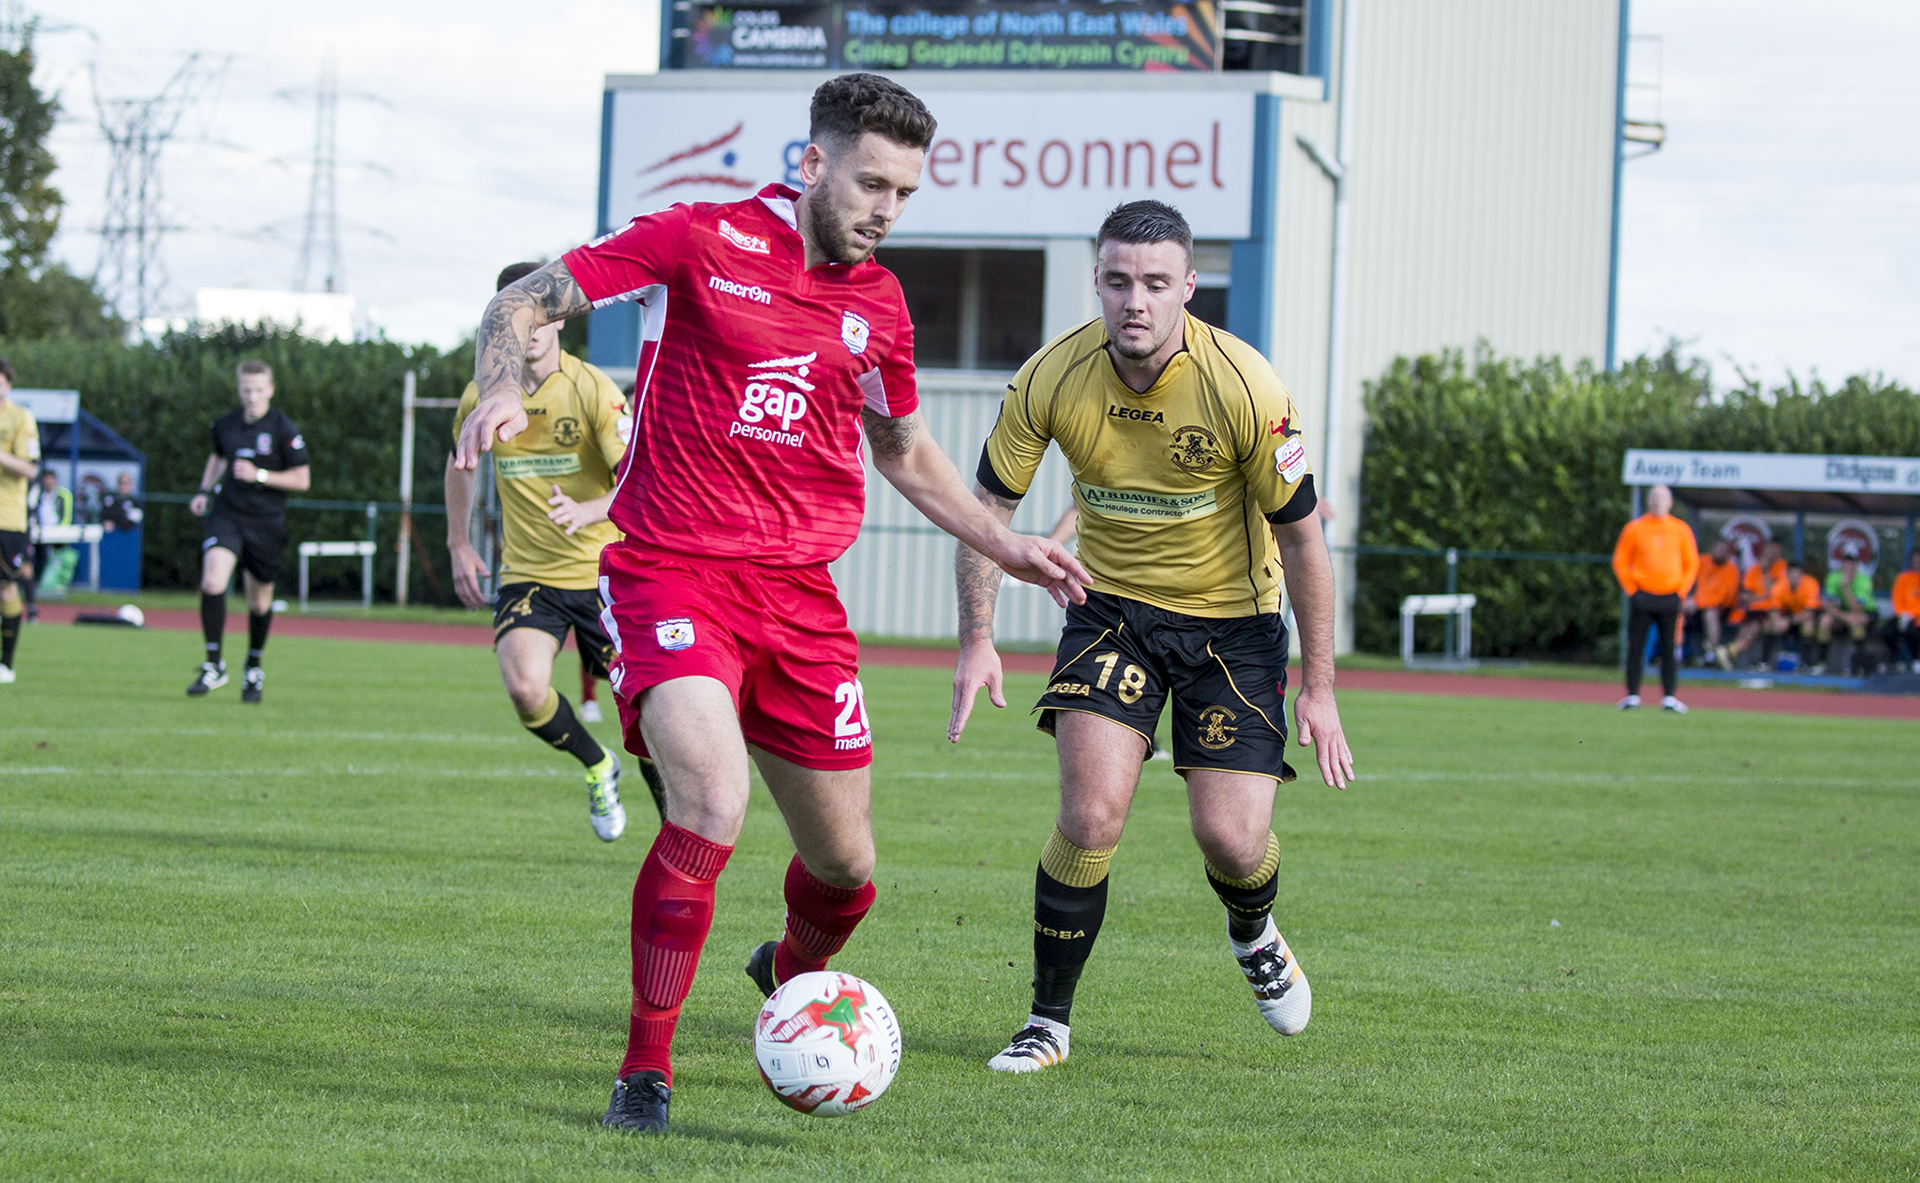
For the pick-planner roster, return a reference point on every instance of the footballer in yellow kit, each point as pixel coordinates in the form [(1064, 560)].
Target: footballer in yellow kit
[(554, 481), (19, 459), (1196, 501)]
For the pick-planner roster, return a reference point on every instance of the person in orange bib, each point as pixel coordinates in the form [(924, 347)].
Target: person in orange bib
[(1903, 627), (1655, 561), (1760, 591), (1716, 591)]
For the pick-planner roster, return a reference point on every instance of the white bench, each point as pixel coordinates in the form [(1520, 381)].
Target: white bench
[(88, 536), (1460, 606), (329, 550)]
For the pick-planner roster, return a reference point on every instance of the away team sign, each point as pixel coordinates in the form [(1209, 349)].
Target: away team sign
[(1006, 163), (1772, 470)]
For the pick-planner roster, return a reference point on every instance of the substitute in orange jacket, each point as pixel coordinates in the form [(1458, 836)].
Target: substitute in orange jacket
[(1716, 591), (1761, 590), (1903, 626), (1655, 561)]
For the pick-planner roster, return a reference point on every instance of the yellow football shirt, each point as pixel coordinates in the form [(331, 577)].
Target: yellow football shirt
[(577, 429), (1175, 486), (19, 437)]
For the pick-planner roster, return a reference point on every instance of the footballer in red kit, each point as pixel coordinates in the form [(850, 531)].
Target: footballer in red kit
[(773, 351)]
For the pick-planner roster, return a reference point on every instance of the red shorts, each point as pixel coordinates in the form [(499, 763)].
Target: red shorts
[(776, 636)]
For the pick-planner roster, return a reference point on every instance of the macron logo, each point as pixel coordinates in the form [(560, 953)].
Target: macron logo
[(746, 242), (758, 295)]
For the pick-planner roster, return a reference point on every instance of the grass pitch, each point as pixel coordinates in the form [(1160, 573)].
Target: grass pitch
[(363, 931)]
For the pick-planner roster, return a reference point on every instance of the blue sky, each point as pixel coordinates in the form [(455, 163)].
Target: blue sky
[(1778, 231)]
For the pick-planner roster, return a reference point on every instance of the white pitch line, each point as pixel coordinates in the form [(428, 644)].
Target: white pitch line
[(349, 770), (211, 732), (1620, 778)]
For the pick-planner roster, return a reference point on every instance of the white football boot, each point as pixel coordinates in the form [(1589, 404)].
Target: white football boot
[(604, 810), (1670, 703), (1279, 986), (6, 674), (1630, 702), (590, 711), (1042, 1043)]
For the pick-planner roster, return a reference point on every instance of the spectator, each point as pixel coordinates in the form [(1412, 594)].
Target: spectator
[(48, 505), (1655, 561), (1763, 584), (1847, 599), (1903, 626), (1716, 592), (1797, 609), (88, 501), (120, 509)]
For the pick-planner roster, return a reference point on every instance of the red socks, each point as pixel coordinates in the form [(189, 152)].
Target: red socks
[(820, 918), (672, 913)]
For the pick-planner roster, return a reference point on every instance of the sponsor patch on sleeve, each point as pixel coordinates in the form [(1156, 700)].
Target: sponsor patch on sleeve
[(1291, 461)]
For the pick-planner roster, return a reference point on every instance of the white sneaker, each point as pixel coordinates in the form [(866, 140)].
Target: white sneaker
[(1630, 702), (212, 676), (1670, 703), (590, 711), (604, 810), (1279, 985), (6, 674), (1042, 1043)]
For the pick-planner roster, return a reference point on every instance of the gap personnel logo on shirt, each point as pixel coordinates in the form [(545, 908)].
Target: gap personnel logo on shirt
[(1194, 448), (675, 634), (777, 391), (854, 330), (566, 432), (746, 242), (1291, 460)]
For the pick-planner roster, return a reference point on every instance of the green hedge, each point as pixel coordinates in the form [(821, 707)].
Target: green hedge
[(1492, 453), (345, 397)]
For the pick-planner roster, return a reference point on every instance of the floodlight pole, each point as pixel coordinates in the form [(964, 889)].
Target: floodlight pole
[(401, 555)]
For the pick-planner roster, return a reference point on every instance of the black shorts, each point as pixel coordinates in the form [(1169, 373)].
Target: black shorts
[(260, 542), (1122, 659), (15, 549), (553, 610)]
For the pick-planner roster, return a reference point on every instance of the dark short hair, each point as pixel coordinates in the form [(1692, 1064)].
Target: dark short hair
[(254, 365), (6, 368), (1146, 221), (846, 107), (514, 273)]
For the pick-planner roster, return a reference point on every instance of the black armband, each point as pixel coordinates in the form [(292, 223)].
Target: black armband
[(990, 480), (1302, 503)]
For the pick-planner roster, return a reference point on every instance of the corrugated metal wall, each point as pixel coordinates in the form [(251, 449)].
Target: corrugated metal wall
[(897, 579)]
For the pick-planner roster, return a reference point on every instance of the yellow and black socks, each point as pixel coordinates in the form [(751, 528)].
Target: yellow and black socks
[(213, 623), (1249, 901), (554, 721), (257, 625), (10, 614), (1069, 903)]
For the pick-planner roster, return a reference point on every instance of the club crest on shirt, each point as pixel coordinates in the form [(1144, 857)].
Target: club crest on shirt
[(853, 331), (1194, 448), (676, 633), (263, 443), (566, 432)]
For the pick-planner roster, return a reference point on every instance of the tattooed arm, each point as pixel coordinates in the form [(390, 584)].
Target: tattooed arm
[(976, 581), (500, 354)]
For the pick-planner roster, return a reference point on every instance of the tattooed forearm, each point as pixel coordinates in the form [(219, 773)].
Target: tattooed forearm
[(976, 578), (890, 438), (543, 297)]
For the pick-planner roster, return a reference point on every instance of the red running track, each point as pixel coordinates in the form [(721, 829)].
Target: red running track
[(1722, 698)]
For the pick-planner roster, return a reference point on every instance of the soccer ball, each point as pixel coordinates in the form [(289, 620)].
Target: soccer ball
[(827, 1043), (132, 615)]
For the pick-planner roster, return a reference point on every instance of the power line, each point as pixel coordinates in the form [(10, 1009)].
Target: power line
[(131, 272), (323, 211)]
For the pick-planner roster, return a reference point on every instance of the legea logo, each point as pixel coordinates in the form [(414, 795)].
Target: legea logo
[(777, 391), (746, 242)]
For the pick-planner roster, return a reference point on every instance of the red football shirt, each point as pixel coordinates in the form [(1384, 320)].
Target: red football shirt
[(753, 370)]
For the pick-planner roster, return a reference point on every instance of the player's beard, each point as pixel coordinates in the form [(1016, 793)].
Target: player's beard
[(832, 231), (1143, 352)]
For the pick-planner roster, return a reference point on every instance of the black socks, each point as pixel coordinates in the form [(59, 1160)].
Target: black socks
[(556, 723), (9, 638), (213, 623), (257, 625), (1069, 904), (1249, 901)]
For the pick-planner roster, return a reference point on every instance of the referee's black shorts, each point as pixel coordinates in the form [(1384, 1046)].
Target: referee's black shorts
[(260, 541), (1227, 677), (553, 610)]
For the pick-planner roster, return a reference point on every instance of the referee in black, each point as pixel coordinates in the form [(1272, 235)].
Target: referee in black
[(258, 458)]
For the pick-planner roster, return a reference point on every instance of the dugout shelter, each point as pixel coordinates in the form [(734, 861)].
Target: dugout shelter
[(1365, 179), (81, 449)]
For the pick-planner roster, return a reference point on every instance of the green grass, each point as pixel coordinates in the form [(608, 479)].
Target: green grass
[(363, 931)]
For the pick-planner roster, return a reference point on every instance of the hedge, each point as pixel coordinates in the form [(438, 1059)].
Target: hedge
[(1492, 453), (345, 397)]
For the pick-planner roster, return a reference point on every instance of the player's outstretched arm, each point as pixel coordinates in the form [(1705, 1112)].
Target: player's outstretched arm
[(1309, 574), (906, 454), (976, 579), (500, 354), (468, 567)]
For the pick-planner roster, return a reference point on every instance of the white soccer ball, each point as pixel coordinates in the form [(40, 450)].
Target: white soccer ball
[(828, 1044), (132, 615)]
